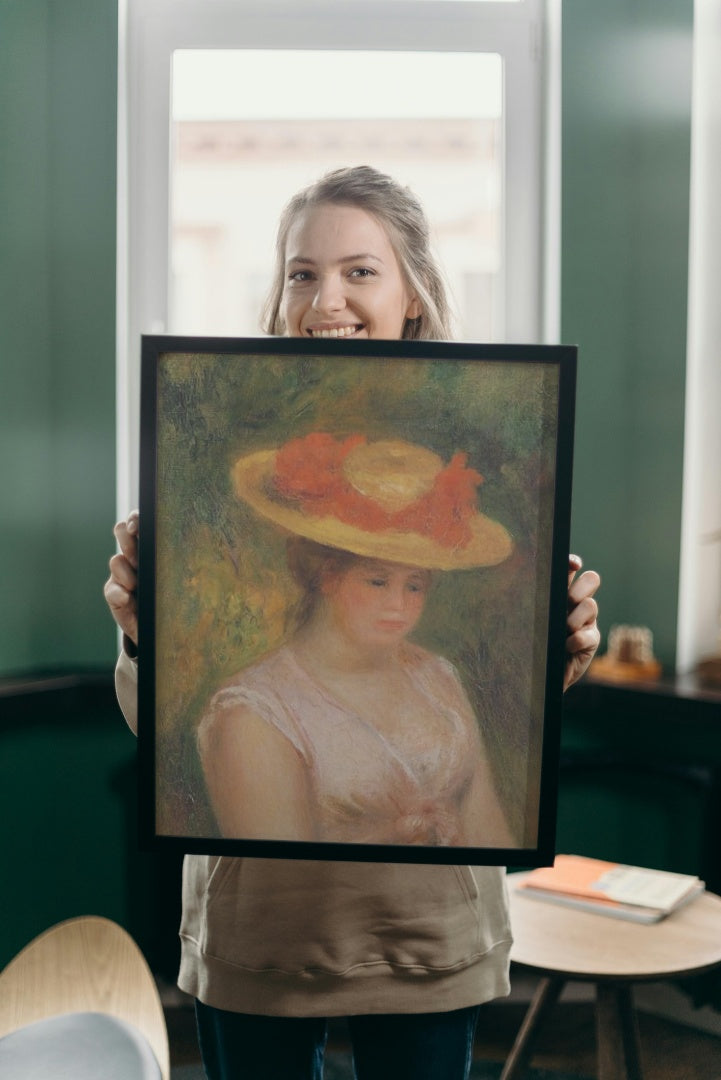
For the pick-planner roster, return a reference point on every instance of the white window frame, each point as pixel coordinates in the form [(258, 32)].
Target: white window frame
[(526, 34), (699, 597)]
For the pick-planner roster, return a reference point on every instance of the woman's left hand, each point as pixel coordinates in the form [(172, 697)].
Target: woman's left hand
[(583, 636)]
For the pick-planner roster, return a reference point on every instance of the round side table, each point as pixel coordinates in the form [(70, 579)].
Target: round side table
[(563, 944)]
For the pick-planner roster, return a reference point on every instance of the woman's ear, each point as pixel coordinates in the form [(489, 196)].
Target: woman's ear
[(415, 309), (327, 581)]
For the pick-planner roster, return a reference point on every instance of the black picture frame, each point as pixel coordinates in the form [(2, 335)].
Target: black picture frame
[(214, 590)]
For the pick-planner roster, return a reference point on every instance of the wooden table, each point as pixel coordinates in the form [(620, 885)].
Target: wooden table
[(563, 944)]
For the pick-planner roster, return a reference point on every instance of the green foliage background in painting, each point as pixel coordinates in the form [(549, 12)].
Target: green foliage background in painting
[(223, 592)]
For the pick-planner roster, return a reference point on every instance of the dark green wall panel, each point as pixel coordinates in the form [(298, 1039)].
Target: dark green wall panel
[(626, 145), (69, 807), (58, 77), (63, 787), (26, 482)]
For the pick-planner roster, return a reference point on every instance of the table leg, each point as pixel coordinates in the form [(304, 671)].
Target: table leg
[(545, 997), (617, 1033)]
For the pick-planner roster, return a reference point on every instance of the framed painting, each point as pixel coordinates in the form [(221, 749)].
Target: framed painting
[(352, 597)]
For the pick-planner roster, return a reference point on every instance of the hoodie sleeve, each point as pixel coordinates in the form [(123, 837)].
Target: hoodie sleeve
[(126, 688)]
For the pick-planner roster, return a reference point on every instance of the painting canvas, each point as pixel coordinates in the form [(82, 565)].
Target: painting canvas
[(352, 597)]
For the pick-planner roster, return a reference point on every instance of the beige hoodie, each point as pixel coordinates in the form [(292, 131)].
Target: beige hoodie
[(285, 937)]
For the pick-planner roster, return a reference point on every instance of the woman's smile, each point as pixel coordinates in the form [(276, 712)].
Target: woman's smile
[(335, 331)]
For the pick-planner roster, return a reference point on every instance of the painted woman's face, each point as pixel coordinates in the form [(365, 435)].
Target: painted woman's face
[(376, 603), (342, 277)]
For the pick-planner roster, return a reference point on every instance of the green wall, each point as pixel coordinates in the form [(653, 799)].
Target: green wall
[(626, 145), (58, 71), (66, 759), (69, 808)]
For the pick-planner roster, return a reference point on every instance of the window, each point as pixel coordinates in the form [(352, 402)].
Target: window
[(227, 107), (699, 624), (235, 161)]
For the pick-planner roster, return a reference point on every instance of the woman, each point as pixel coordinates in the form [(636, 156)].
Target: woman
[(270, 949), (348, 732)]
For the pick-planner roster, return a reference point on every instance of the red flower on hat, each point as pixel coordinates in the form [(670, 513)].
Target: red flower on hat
[(309, 470), (445, 512)]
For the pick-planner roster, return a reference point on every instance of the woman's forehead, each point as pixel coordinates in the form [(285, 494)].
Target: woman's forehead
[(380, 566), (331, 227)]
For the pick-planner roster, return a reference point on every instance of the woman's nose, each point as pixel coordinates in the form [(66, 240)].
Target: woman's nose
[(329, 295), (398, 597)]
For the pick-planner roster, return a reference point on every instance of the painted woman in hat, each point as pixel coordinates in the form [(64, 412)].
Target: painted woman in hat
[(271, 948), (349, 732)]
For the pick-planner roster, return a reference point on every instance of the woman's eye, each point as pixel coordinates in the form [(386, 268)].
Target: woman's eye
[(362, 272), (377, 582), (299, 276)]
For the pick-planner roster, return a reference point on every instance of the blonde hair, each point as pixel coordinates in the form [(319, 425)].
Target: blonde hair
[(402, 216)]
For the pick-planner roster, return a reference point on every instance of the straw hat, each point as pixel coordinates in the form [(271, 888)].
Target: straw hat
[(387, 500)]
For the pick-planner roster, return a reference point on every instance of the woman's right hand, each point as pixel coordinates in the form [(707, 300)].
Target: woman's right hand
[(121, 587)]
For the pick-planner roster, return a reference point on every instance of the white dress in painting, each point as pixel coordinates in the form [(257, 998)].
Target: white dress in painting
[(366, 787)]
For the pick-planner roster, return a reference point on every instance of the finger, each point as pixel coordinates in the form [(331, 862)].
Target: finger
[(582, 614), (118, 598), (123, 573), (126, 534), (123, 608), (575, 562), (583, 641), (585, 585)]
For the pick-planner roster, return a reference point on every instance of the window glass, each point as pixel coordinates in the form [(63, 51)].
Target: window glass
[(251, 127)]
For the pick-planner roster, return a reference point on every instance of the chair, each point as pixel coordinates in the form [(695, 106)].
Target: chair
[(79, 1002)]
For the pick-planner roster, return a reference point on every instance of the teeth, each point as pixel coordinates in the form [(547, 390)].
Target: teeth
[(336, 332)]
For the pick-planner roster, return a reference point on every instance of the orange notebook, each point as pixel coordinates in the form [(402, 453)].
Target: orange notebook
[(631, 892)]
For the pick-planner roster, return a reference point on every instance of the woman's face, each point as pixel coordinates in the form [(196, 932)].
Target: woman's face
[(376, 603), (342, 277)]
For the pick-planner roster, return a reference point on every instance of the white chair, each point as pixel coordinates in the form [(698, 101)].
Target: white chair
[(80, 1002)]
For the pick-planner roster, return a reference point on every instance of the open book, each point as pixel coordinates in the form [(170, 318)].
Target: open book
[(608, 888)]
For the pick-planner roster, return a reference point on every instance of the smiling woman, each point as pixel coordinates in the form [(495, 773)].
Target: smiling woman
[(297, 940)]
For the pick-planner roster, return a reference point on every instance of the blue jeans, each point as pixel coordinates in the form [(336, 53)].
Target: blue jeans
[(415, 1046)]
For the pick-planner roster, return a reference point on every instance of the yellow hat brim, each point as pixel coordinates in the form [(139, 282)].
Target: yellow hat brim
[(489, 545)]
